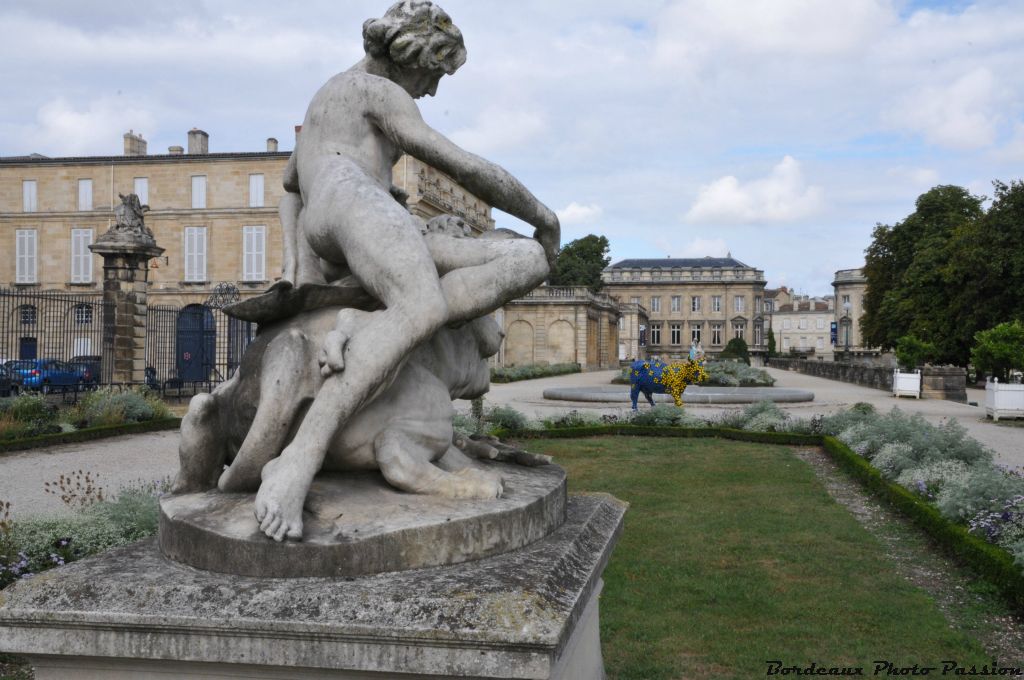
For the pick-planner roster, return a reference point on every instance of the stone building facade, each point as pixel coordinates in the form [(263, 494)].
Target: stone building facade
[(633, 324), (215, 214), (802, 324), (554, 325), (710, 300), (849, 286)]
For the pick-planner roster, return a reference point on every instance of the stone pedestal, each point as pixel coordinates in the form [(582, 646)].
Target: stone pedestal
[(125, 278), (944, 382), (133, 613)]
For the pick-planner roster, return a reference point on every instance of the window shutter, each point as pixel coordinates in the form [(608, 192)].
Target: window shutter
[(142, 189), (29, 196), (25, 256), (85, 194), (199, 191), (255, 191)]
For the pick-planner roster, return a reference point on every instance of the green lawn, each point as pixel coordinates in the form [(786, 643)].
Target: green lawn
[(733, 554)]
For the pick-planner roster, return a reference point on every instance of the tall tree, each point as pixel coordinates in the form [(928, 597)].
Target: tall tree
[(906, 267), (580, 263)]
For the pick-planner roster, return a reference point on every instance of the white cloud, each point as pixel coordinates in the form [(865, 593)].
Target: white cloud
[(782, 196), (574, 213), (500, 128), (1013, 150), (959, 115), (699, 247), (63, 130), (916, 177)]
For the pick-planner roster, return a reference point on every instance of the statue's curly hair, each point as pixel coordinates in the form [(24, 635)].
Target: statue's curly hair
[(417, 34)]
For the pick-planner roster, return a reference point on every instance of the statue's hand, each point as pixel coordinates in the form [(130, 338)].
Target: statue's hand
[(550, 241)]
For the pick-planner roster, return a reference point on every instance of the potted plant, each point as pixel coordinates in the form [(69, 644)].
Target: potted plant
[(911, 353), (999, 353)]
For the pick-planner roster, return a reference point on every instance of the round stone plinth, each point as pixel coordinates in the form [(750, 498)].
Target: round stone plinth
[(694, 394), (356, 524)]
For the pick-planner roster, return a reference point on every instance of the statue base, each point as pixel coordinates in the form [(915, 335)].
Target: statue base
[(133, 613)]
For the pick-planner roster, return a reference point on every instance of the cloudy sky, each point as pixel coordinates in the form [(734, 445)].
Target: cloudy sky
[(778, 130)]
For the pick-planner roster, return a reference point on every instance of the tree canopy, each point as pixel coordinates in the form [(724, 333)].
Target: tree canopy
[(580, 263), (947, 271)]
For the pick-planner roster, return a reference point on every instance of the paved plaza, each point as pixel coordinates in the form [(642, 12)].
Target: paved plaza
[(122, 460)]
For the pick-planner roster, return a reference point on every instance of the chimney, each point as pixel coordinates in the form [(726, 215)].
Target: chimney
[(175, 150), (271, 144), (134, 144), (198, 141), (298, 129)]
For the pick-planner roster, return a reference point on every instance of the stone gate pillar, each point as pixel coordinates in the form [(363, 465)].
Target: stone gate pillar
[(126, 249)]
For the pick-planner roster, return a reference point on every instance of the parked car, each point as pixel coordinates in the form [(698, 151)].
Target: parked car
[(93, 361), (45, 374), (85, 369), (7, 386)]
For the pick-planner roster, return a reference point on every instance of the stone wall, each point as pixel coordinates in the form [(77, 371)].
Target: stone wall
[(937, 382), (868, 376)]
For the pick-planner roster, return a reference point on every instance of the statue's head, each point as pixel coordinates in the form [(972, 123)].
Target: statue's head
[(416, 35)]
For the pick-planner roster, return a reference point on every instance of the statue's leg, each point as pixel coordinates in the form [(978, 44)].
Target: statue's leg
[(480, 275), (650, 397), (349, 217), (634, 394), (406, 466), (288, 381), (201, 450)]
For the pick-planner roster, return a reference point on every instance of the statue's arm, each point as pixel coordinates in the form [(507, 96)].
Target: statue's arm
[(397, 116)]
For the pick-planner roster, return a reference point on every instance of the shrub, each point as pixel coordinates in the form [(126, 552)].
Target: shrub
[(912, 351), (506, 418), (529, 372), (736, 349), (999, 350), (665, 415), (110, 407), (573, 418), (26, 416), (984, 488), (929, 479), (734, 374)]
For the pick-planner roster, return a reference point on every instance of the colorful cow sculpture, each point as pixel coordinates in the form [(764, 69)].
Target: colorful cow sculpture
[(656, 377)]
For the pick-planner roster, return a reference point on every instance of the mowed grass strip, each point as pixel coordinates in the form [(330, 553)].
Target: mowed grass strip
[(733, 554)]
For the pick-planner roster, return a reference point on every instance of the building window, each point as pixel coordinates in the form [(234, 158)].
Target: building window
[(785, 343), (786, 324), (716, 334), (758, 333), (29, 315), (255, 191), (676, 274), (677, 303), (821, 343), (82, 314), (738, 329), (738, 303), (695, 334), (622, 323), (195, 253), (676, 333), (803, 323), (254, 253), (81, 256), (769, 306), (198, 192), (757, 304), (655, 333), (29, 196), (695, 303), (85, 194), (696, 274), (635, 300), (25, 256), (846, 299), (655, 304), (820, 324), (716, 303), (142, 189)]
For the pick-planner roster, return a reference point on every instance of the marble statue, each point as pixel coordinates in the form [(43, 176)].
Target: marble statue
[(130, 216), (374, 301)]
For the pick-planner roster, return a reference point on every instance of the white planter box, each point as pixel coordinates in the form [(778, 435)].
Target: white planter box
[(1004, 400), (906, 384)]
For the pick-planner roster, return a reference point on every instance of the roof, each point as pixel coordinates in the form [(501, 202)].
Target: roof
[(804, 306), (670, 262), (36, 159)]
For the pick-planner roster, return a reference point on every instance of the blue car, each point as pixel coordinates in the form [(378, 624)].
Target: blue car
[(45, 375)]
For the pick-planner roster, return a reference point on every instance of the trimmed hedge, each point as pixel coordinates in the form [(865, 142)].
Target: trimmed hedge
[(89, 434), (990, 561), (516, 373)]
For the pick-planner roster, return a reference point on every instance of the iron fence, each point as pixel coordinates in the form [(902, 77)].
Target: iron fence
[(193, 345), (57, 325)]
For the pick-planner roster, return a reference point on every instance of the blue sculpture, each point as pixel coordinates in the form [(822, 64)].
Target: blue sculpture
[(645, 376)]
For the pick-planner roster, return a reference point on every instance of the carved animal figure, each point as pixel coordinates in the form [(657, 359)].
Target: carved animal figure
[(646, 377), (403, 432)]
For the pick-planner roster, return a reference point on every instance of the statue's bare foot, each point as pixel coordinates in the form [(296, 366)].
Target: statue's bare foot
[(472, 483), (280, 499)]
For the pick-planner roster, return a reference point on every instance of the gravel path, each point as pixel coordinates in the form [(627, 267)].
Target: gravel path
[(111, 462)]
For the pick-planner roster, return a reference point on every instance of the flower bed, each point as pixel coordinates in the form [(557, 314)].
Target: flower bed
[(515, 373)]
